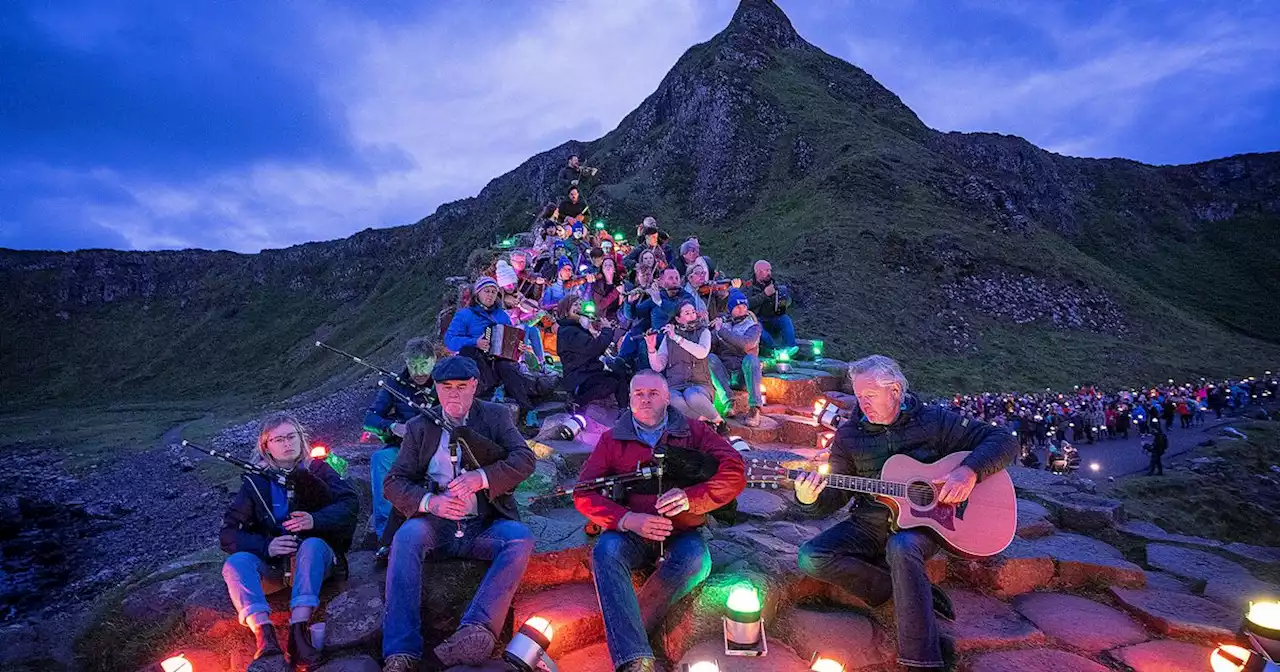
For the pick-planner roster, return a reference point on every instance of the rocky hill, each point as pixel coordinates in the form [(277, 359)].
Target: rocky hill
[(979, 259)]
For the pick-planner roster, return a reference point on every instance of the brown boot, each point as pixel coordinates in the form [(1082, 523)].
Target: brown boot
[(268, 645), (470, 645), (302, 655)]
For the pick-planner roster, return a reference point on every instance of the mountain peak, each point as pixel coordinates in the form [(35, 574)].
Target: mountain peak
[(761, 23)]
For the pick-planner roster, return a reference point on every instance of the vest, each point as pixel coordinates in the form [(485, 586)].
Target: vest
[(683, 369)]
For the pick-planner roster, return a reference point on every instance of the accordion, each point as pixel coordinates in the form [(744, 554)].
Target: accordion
[(505, 341)]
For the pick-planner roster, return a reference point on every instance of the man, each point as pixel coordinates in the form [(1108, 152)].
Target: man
[(1159, 444), (690, 252), (571, 209), (853, 553), (388, 418), (466, 336), (442, 493), (641, 526), (665, 300), (736, 347), (650, 237), (573, 174), (769, 302)]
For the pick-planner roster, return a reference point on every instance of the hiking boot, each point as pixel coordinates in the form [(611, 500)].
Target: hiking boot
[(942, 605), (382, 556), (400, 662), (301, 653), (470, 645), (642, 665), (753, 417), (722, 428), (268, 645)]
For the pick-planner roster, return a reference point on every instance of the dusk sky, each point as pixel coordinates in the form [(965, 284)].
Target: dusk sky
[(249, 125)]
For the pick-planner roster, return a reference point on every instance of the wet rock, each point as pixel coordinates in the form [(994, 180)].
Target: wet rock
[(1178, 614), (1034, 659), (573, 610), (849, 637), (986, 623), (1079, 622)]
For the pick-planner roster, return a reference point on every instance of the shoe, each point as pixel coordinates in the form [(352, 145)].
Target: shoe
[(268, 645), (470, 645), (302, 655), (400, 662), (722, 428), (942, 605), (753, 417), (382, 556), (642, 665)]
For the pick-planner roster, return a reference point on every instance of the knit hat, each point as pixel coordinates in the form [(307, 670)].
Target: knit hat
[(564, 261), (506, 274), (736, 298), (482, 282), (455, 368)]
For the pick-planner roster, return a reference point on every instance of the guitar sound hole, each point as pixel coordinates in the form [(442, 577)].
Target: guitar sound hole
[(920, 493)]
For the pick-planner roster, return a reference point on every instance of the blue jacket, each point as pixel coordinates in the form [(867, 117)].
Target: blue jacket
[(468, 325), (664, 310), (387, 409), (245, 526)]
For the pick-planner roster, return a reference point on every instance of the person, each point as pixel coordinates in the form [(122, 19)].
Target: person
[(650, 240), (387, 418), (606, 291), (854, 553), (1159, 444), (440, 496), (694, 278), (468, 335), (691, 253), (559, 289), (735, 346), (265, 532), (665, 299), (682, 358), (574, 173), (641, 526), (572, 209), (769, 302), (580, 346)]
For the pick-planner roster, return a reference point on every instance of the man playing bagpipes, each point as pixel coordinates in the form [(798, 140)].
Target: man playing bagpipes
[(277, 534), (453, 480), (387, 418), (469, 335), (658, 526)]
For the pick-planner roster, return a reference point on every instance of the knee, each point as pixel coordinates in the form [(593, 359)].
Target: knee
[(904, 546), (519, 540), (239, 566), (812, 559), (313, 548), (415, 533), (608, 549)]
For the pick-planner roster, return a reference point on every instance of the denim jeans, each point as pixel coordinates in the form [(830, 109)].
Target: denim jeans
[(250, 580), (628, 616), (533, 338), (777, 332), (861, 556), (507, 544), (379, 464), (750, 367)]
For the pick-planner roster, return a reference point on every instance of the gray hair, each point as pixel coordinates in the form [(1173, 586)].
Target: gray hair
[(648, 373), (690, 245), (885, 371)]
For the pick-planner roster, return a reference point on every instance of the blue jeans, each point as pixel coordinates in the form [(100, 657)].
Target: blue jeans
[(750, 367), (628, 616), (507, 544), (861, 556), (533, 338), (379, 464), (249, 579), (777, 332), (634, 351)]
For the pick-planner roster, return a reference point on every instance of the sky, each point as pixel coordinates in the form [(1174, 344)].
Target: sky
[(248, 125)]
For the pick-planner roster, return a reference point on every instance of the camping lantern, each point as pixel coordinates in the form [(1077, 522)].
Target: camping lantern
[(701, 666), (571, 426), (825, 439), (1230, 658), (319, 452), (599, 225), (178, 663), (825, 665), (743, 628), (528, 648), (827, 414), (1262, 625), (739, 444)]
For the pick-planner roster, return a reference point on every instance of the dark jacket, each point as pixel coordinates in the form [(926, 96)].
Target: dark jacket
[(505, 465), (662, 253), (763, 305), (580, 352), (683, 266), (386, 409), (620, 450), (1159, 443), (245, 526), (664, 309), (924, 432)]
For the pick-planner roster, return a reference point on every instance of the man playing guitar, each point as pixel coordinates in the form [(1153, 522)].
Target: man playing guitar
[(853, 553)]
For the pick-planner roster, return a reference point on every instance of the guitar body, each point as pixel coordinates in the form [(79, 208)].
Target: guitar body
[(980, 526)]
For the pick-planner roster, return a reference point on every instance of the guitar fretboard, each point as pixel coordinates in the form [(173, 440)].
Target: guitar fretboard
[(874, 486)]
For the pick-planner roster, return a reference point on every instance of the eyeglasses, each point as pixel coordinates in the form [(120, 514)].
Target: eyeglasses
[(283, 440)]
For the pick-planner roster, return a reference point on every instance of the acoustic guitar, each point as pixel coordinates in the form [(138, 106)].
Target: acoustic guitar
[(980, 526)]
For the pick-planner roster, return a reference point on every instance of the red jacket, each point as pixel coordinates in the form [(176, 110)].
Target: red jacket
[(620, 449)]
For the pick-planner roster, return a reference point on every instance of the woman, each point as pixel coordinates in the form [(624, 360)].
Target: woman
[(694, 279), (682, 357), (606, 291), (580, 346), (268, 534), (646, 270)]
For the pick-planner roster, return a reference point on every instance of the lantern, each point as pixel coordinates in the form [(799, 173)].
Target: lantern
[(1094, 466), (618, 237), (178, 663), (1262, 625), (319, 452), (702, 666), (739, 444), (1229, 658), (589, 308), (599, 225), (743, 629), (528, 648), (825, 665), (827, 414), (817, 350)]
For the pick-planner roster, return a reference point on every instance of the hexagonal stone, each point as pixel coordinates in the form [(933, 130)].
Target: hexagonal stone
[(1191, 563), (781, 657), (1006, 574), (1148, 530), (1083, 511), (1083, 561), (1079, 622), (594, 658), (1158, 580), (1164, 655), (761, 503), (1236, 591), (987, 623), (1265, 554), (796, 389), (572, 609), (1033, 520), (1034, 659), (354, 617), (1178, 614), (849, 637)]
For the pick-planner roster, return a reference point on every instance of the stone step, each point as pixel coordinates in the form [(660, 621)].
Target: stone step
[(1061, 560), (796, 430), (574, 453), (1034, 659), (1079, 622), (849, 637), (984, 622), (573, 611), (1163, 655), (593, 658), (1033, 520), (767, 432), (797, 388), (1083, 512), (1178, 614), (781, 657)]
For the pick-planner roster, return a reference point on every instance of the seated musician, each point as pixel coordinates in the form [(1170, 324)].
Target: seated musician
[(528, 283), (854, 553), (573, 174), (606, 291), (683, 358), (735, 347), (643, 526), (441, 498), (666, 298), (466, 336), (610, 250), (580, 345), (523, 313), (261, 531), (572, 209), (769, 301), (387, 418), (691, 252), (590, 259), (650, 239), (694, 279), (556, 291)]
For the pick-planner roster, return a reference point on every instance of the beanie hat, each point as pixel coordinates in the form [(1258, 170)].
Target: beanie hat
[(736, 298), (482, 282), (564, 261), (506, 275), (577, 226)]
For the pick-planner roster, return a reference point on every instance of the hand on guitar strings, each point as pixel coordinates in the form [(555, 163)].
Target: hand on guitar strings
[(466, 484), (809, 486), (447, 507), (672, 502), (653, 528), (957, 485)]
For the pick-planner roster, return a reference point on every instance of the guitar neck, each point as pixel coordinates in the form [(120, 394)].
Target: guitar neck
[(872, 486)]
